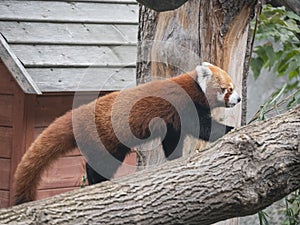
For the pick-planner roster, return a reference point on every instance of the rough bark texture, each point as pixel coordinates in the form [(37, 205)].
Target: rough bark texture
[(238, 175), (147, 26), (246, 70)]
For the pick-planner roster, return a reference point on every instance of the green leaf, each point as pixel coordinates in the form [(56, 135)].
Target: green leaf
[(270, 54), (278, 51), (293, 15), (281, 91), (293, 69), (263, 218), (293, 102), (256, 66)]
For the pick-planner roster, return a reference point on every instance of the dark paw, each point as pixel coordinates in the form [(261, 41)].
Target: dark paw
[(228, 128), (92, 176)]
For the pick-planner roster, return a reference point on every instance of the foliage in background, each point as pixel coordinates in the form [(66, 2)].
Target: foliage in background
[(279, 48), (263, 218), (292, 209), (278, 35)]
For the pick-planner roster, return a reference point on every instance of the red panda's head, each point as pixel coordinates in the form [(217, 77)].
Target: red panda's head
[(217, 86)]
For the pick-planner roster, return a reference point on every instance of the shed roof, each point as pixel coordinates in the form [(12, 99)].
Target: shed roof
[(77, 45)]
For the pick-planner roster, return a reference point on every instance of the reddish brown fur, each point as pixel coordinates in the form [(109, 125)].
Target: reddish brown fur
[(58, 138), (226, 97), (220, 80), (221, 76), (55, 141)]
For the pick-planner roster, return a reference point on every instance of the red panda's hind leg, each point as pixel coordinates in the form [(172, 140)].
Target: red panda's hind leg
[(107, 169), (172, 145)]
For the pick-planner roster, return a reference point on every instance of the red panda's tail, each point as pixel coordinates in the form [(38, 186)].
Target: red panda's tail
[(53, 142)]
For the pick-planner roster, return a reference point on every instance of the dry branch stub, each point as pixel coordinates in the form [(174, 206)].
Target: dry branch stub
[(238, 175)]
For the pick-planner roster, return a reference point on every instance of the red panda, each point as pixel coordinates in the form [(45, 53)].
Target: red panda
[(108, 127)]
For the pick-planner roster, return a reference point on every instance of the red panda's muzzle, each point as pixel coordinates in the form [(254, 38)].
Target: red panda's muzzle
[(232, 100)]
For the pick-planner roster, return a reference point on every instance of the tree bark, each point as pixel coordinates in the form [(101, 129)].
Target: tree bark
[(238, 175)]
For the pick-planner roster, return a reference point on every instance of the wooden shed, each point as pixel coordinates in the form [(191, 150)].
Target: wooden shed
[(50, 50)]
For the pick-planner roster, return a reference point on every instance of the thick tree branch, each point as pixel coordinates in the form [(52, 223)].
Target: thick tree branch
[(238, 175), (293, 5), (162, 5)]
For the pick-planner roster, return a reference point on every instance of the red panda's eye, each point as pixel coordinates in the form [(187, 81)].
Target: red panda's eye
[(223, 90), (230, 89)]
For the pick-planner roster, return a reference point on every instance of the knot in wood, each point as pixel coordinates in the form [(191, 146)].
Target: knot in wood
[(245, 144), (35, 214)]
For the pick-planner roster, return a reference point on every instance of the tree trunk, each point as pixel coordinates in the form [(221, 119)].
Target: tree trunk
[(238, 175), (177, 41)]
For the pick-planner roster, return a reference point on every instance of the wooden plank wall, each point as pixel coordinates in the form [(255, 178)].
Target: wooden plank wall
[(14, 124), (66, 173), (75, 11), (6, 129)]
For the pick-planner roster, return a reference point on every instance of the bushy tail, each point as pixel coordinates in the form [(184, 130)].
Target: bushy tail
[(53, 142)]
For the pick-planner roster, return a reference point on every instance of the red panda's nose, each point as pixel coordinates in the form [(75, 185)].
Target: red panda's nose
[(234, 99)]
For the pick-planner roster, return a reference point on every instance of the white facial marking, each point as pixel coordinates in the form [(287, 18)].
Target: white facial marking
[(231, 85), (221, 96), (204, 76), (206, 64), (234, 99)]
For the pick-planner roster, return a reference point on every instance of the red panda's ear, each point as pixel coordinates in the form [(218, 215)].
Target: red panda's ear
[(207, 64), (204, 75)]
